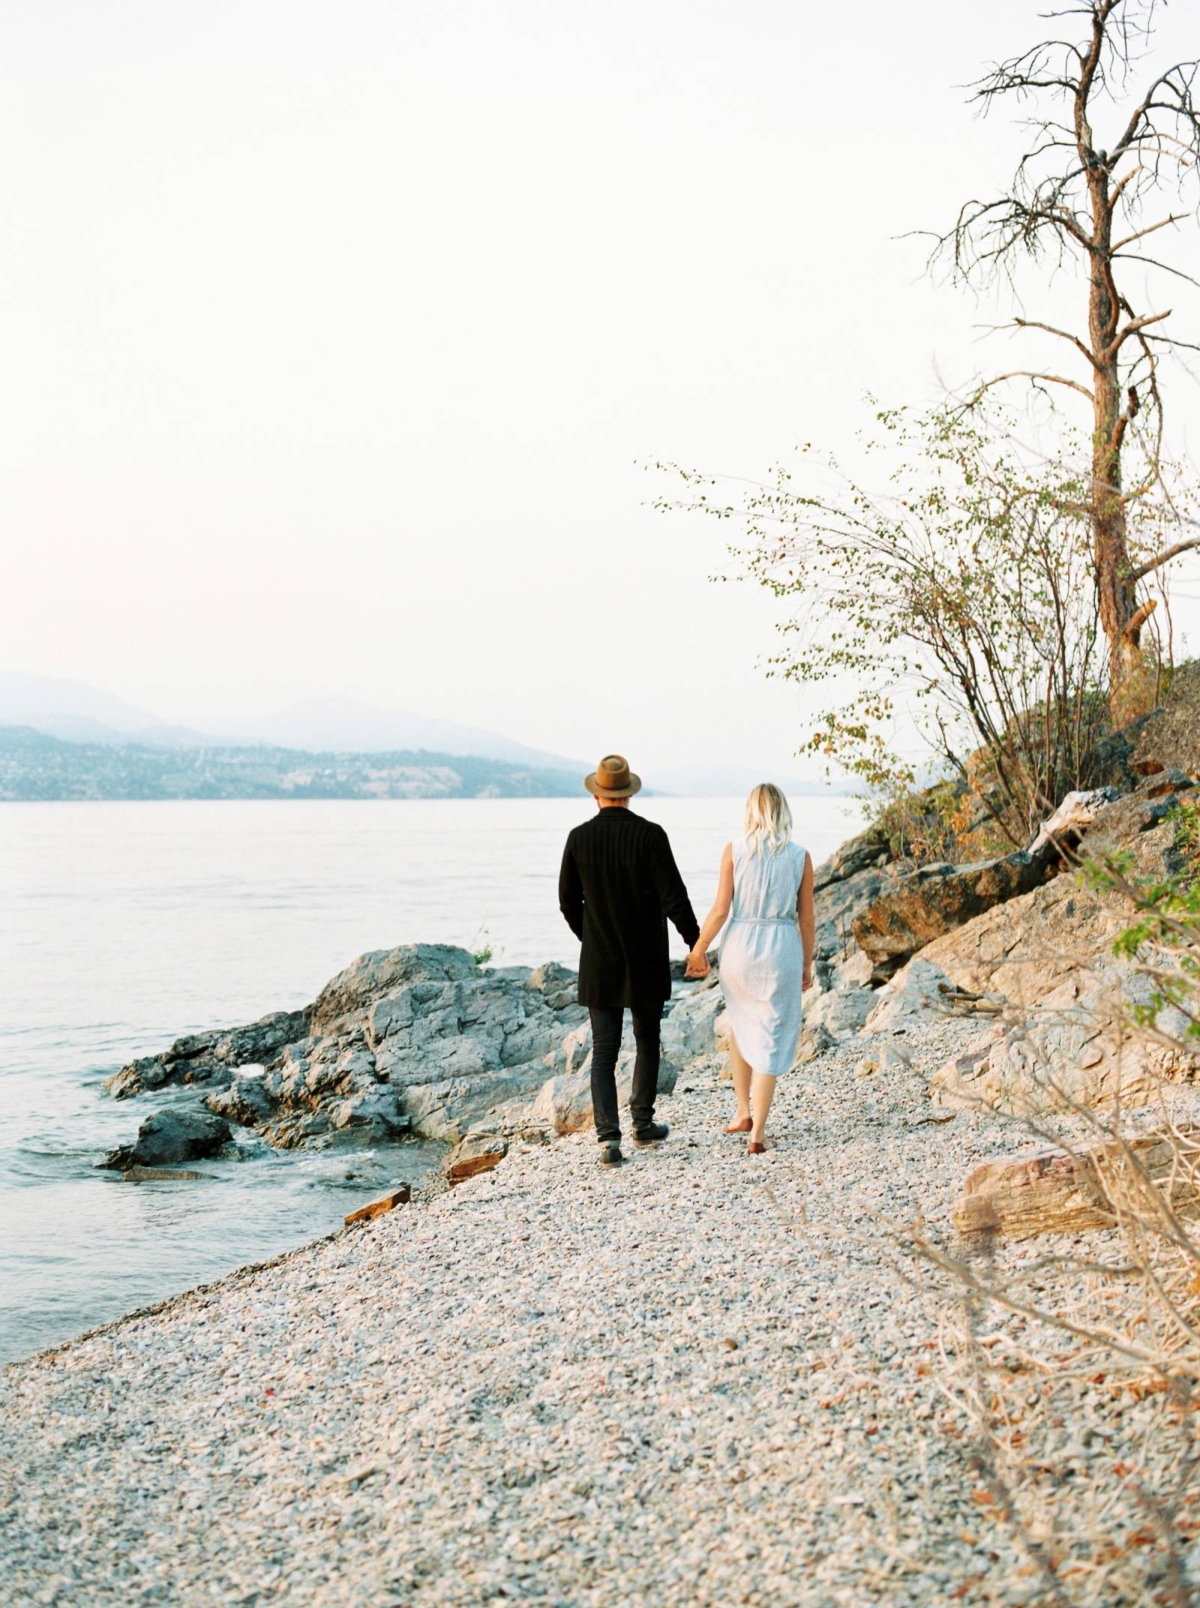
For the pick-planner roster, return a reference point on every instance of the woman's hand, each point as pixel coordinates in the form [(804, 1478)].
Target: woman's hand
[(697, 964), (806, 981)]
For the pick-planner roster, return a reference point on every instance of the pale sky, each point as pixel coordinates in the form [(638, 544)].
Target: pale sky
[(332, 333)]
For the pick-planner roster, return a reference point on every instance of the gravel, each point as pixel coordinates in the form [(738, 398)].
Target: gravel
[(697, 1379)]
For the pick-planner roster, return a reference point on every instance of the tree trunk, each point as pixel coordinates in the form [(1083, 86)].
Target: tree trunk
[(1115, 589)]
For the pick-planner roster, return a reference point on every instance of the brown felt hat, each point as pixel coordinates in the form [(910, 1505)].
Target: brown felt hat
[(612, 778)]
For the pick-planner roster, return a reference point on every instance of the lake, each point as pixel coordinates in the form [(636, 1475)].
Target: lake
[(126, 925)]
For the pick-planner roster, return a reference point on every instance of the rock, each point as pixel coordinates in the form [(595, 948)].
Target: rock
[(188, 1134), (376, 1208), (416, 1037), (1076, 1047), (690, 1027), (852, 968), (475, 1155), (883, 1058), (917, 991), (937, 899), (371, 1115), (815, 1039), (870, 849), (1072, 818), (1053, 1192), (841, 1014), (564, 1103)]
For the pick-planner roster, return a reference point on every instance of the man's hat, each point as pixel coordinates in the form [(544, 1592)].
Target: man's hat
[(612, 778)]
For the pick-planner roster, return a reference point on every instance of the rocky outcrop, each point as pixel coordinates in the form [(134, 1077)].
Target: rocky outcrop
[(419, 1039), (187, 1134), (1077, 1047), (937, 899)]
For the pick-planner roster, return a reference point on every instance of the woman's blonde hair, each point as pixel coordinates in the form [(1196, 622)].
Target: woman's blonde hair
[(767, 824)]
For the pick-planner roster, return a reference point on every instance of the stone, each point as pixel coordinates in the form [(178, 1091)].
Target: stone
[(476, 1154), (815, 1040), (377, 1208), (884, 1057), (936, 899), (371, 1115), (853, 968), (840, 1014), (188, 1134), (689, 1029), (564, 1103), (1078, 1047), (918, 990), (1055, 1192)]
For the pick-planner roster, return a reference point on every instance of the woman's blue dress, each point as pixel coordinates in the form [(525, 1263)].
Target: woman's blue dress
[(762, 959)]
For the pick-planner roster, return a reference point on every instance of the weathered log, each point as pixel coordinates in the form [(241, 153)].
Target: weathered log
[(385, 1203), (1056, 1192)]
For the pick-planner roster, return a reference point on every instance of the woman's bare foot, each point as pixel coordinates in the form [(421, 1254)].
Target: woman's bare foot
[(756, 1147), (740, 1125)]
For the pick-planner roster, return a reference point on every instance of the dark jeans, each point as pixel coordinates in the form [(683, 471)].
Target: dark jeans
[(606, 1042)]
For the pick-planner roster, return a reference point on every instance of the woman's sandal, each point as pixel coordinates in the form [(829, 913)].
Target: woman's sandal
[(740, 1125), (755, 1148)]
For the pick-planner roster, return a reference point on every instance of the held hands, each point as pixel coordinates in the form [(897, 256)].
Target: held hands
[(697, 964)]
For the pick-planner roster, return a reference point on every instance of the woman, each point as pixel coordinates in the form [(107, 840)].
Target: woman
[(765, 890)]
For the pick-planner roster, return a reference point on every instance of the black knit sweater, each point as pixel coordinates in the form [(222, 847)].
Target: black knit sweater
[(618, 885)]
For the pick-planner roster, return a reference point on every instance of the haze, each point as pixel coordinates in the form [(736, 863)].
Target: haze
[(332, 335)]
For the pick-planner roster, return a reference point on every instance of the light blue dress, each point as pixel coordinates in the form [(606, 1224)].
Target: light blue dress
[(762, 959)]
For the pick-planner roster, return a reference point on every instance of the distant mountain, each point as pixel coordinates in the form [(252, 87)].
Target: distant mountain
[(35, 767), (350, 726), (79, 713)]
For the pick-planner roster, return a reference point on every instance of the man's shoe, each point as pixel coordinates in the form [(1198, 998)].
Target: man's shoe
[(610, 1153), (652, 1134)]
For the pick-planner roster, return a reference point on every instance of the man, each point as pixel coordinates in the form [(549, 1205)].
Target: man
[(619, 884)]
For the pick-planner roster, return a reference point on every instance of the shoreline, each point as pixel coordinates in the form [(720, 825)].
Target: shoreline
[(697, 1380)]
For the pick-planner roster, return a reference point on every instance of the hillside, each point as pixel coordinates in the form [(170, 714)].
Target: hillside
[(38, 768)]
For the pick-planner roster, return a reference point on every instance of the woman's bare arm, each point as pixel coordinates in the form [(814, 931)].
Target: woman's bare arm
[(716, 918), (807, 917)]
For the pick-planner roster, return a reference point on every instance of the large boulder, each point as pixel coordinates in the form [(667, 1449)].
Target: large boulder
[(841, 1014), (188, 1134), (937, 899)]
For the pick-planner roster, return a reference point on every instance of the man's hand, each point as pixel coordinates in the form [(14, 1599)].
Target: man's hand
[(697, 964)]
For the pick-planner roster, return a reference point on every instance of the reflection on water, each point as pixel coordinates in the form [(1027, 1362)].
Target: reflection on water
[(126, 925)]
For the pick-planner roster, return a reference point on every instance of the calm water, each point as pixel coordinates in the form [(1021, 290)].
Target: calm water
[(124, 925)]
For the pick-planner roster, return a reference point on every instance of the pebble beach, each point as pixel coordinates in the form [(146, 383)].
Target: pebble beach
[(700, 1378)]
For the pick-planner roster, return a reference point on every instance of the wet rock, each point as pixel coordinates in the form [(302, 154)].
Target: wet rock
[(189, 1134), (475, 1154)]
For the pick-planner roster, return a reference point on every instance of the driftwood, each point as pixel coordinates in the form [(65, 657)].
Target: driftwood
[(1057, 1192), (385, 1203)]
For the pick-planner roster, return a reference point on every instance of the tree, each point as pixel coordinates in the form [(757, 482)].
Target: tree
[(956, 598), (1075, 195)]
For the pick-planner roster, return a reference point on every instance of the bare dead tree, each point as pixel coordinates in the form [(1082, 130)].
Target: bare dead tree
[(1075, 196)]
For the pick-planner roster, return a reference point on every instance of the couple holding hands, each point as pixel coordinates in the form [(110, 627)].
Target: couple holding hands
[(618, 887)]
